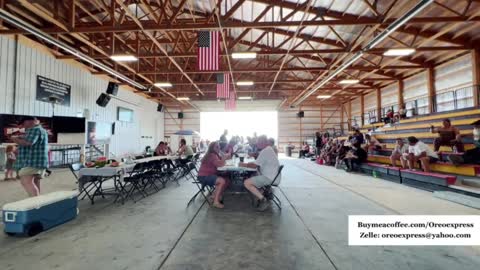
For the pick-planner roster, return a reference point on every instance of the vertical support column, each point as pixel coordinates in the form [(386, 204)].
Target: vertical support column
[(342, 119), (476, 75), (379, 105), (71, 15), (362, 109), (401, 101), (349, 115), (431, 89), (300, 128)]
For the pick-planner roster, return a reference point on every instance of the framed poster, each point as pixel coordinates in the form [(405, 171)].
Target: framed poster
[(51, 91), (10, 126)]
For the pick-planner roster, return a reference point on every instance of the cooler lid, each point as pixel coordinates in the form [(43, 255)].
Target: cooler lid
[(39, 201)]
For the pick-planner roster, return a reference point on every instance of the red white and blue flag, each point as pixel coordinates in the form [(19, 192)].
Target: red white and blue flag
[(208, 50), (223, 85), (231, 103)]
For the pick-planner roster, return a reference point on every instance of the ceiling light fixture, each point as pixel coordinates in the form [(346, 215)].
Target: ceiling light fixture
[(323, 96), (349, 81), (123, 58), (183, 98), (244, 55), (244, 83), (245, 98), (399, 52), (163, 84)]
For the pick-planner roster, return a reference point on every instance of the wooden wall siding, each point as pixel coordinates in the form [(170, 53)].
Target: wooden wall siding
[(415, 87), (191, 120), (454, 74), (85, 89), (370, 101), (390, 95), (356, 110), (296, 130)]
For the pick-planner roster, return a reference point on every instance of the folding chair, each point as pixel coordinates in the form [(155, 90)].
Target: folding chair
[(135, 179), (86, 184), (268, 190), (150, 175), (202, 188)]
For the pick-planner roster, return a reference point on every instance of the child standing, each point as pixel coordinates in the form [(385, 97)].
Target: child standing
[(11, 157)]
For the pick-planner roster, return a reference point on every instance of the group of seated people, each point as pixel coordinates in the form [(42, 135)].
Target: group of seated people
[(392, 117), (266, 162), (334, 152), (418, 152)]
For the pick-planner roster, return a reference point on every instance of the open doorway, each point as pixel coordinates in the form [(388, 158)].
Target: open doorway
[(212, 124)]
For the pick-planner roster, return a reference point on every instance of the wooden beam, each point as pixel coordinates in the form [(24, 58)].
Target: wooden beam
[(362, 109), (400, 94), (431, 89), (476, 75), (379, 104)]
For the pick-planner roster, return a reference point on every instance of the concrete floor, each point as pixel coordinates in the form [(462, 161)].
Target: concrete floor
[(310, 232)]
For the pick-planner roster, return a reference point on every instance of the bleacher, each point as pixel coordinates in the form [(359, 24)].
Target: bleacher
[(444, 174)]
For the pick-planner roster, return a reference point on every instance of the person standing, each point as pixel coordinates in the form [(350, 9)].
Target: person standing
[(32, 160), (11, 157), (318, 143), (223, 140)]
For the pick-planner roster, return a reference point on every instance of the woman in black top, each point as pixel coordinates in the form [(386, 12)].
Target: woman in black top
[(318, 143), (355, 157)]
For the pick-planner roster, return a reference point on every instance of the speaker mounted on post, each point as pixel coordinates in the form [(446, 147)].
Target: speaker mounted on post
[(160, 108), (300, 114)]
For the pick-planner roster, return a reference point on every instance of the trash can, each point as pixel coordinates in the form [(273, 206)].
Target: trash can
[(288, 150)]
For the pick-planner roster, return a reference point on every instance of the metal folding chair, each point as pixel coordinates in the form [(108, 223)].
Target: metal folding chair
[(268, 190), (202, 189), (135, 180), (86, 184)]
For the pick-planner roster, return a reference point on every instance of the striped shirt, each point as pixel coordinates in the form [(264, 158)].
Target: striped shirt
[(35, 155)]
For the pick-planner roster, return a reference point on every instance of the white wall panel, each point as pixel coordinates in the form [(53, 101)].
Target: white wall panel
[(190, 120), (415, 87), (370, 101), (389, 95), (85, 89), (454, 74)]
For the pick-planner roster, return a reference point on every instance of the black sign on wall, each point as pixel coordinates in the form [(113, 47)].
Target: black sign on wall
[(49, 90)]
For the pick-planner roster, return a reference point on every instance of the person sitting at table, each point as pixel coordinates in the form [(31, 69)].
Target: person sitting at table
[(161, 149), (207, 174), (267, 163), (271, 142), (184, 149), (230, 147), (449, 136), (202, 146)]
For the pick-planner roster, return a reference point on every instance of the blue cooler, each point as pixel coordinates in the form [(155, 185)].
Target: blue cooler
[(34, 215)]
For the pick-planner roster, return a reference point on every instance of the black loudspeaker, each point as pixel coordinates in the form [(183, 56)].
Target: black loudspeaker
[(113, 128), (301, 114), (112, 88), (180, 115), (160, 108), (103, 100)]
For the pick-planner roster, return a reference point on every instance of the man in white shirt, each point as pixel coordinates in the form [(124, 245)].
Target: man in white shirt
[(419, 151), (267, 164)]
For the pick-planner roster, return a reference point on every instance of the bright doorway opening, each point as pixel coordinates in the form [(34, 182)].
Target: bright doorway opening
[(212, 124)]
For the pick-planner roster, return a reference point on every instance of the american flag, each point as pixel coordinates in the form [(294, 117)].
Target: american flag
[(208, 50), (231, 103), (223, 85)]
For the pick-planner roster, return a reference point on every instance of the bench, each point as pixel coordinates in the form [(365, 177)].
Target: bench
[(429, 181)]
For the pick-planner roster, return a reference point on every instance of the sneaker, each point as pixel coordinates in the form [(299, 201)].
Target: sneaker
[(262, 205), (455, 160)]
